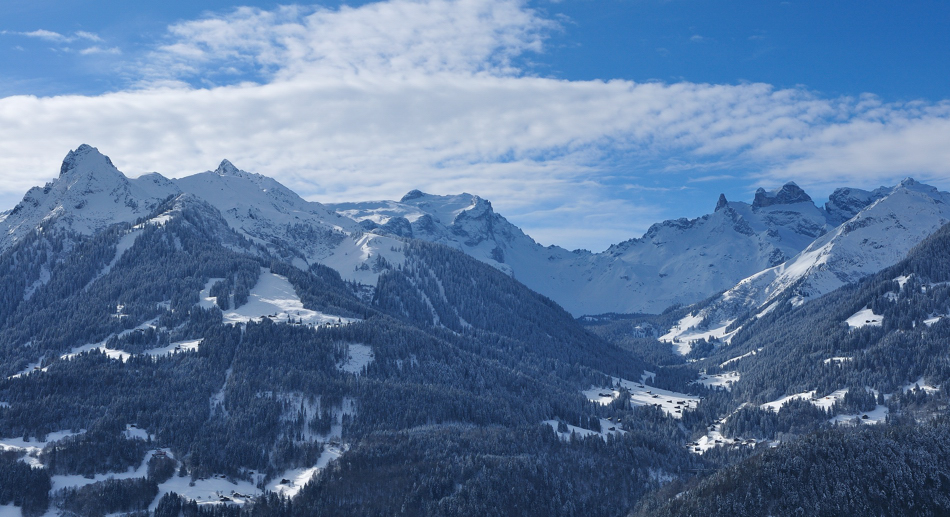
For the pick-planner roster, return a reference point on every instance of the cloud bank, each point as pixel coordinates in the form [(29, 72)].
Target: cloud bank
[(370, 102)]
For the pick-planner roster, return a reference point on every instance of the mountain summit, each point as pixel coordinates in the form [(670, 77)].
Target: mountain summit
[(789, 194), (89, 195)]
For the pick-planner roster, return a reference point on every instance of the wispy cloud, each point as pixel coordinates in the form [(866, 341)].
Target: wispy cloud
[(55, 36), (370, 102), (100, 50), (88, 36), (42, 34), (64, 40), (714, 177)]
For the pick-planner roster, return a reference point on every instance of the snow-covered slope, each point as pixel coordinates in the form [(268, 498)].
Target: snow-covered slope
[(266, 211), (678, 261), (89, 195), (305, 232), (878, 236)]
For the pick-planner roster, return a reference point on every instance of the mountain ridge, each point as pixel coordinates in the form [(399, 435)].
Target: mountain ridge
[(675, 262)]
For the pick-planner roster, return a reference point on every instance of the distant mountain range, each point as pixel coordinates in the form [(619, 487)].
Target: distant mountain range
[(752, 252)]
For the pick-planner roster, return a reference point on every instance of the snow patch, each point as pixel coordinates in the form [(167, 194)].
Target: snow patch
[(358, 356), (8, 510), (216, 489), (715, 438), (684, 333), (297, 478), (175, 348), (32, 448), (272, 297), (671, 402), (837, 360), (864, 318), (743, 356), (605, 426), (876, 416), (825, 402), (720, 380), (901, 280), (134, 432), (775, 405), (929, 388)]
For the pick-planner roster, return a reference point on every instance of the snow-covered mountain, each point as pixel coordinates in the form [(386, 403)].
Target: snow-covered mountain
[(678, 261), (89, 195), (879, 235), (305, 232)]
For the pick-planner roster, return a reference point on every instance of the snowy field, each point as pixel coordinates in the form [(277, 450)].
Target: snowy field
[(876, 416), (297, 478), (929, 388), (743, 356), (272, 297), (671, 402), (32, 448), (864, 318), (683, 334), (720, 380)]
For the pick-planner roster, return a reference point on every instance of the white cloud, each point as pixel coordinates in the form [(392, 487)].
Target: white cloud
[(45, 34), (88, 36), (370, 102), (57, 37), (95, 49)]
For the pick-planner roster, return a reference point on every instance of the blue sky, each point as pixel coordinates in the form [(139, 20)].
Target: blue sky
[(582, 121)]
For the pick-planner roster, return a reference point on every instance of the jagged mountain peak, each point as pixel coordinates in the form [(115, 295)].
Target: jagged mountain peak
[(845, 203), (912, 185), (722, 203), (89, 194), (87, 160), (788, 194), (226, 168)]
